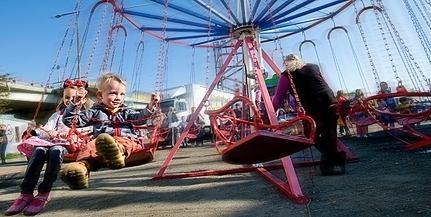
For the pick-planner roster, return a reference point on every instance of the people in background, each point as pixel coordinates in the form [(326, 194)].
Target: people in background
[(343, 109), (197, 128), (3, 143), (171, 117), (181, 126), (386, 105), (359, 94), (360, 113)]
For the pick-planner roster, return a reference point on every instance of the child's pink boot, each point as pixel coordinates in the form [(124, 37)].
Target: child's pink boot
[(37, 204), (19, 204)]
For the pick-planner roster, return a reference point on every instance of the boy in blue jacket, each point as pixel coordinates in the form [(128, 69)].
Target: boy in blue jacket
[(113, 129)]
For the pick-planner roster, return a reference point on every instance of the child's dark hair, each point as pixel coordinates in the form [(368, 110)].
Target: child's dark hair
[(402, 99)]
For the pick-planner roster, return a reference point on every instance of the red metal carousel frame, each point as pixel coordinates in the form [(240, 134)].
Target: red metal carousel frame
[(290, 186)]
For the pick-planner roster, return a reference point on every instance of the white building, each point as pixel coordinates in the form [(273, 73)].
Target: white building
[(14, 129)]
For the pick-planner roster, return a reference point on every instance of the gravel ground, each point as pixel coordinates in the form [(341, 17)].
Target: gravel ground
[(386, 181)]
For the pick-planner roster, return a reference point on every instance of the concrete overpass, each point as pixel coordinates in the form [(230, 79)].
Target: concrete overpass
[(26, 97)]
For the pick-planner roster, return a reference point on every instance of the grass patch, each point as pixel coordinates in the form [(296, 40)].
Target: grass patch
[(13, 156)]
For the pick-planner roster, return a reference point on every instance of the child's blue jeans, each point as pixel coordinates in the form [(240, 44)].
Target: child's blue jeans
[(54, 158)]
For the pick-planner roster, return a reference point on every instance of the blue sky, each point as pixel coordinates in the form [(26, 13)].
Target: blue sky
[(30, 40)]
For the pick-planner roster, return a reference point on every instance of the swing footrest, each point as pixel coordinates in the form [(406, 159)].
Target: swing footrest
[(418, 145), (261, 147)]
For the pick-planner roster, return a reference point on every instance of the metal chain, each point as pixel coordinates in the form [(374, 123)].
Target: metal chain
[(36, 112), (114, 49), (220, 60), (373, 67), (391, 59), (75, 31), (118, 24), (289, 75), (416, 24), (192, 67), (358, 65), (136, 66), (165, 71), (120, 65), (275, 30), (428, 14), (207, 69), (160, 65), (338, 68), (110, 42), (405, 49), (84, 36), (250, 8), (141, 63), (78, 108), (96, 40)]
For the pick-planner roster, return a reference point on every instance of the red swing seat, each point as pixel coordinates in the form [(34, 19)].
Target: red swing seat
[(369, 120), (73, 148), (194, 132), (262, 145), (406, 120)]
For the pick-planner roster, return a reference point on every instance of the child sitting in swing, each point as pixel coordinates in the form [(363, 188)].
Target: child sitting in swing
[(116, 140), (359, 112), (50, 144), (405, 106)]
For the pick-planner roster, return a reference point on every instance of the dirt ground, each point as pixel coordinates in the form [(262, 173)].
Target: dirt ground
[(386, 181)]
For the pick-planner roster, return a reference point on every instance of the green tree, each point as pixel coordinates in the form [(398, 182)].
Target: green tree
[(4, 93)]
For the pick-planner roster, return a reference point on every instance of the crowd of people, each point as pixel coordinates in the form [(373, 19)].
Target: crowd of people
[(355, 110)]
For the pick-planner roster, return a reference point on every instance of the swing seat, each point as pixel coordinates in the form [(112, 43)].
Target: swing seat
[(139, 157), (193, 132), (409, 121), (27, 151), (365, 122), (260, 147), (191, 136)]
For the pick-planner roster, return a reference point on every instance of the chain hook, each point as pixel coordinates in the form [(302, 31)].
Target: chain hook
[(400, 88), (237, 89), (333, 22), (400, 82), (363, 4), (206, 104)]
